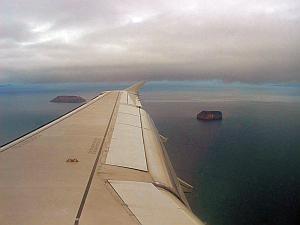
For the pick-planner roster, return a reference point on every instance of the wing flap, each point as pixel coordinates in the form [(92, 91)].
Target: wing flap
[(126, 148), (152, 205)]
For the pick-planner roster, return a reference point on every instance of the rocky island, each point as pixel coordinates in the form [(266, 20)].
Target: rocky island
[(68, 99), (209, 115)]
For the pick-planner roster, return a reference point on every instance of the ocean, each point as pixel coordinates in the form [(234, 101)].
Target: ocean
[(245, 169)]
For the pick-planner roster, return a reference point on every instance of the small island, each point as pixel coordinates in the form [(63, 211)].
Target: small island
[(68, 99), (209, 115)]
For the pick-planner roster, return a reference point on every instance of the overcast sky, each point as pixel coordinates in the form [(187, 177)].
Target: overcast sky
[(108, 40)]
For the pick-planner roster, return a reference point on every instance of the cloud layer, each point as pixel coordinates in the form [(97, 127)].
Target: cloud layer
[(110, 40)]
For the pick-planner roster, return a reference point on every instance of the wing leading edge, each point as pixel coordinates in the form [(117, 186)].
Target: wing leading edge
[(121, 175)]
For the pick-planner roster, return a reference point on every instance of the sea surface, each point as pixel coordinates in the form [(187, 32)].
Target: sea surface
[(245, 169)]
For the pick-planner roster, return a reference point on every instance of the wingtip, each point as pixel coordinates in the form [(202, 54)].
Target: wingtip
[(136, 87)]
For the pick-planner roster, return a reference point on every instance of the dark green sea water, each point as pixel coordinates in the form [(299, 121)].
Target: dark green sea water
[(245, 169)]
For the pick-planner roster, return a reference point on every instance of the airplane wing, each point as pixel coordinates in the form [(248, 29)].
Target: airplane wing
[(102, 163)]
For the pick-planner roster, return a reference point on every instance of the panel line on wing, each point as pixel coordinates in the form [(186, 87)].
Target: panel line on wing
[(94, 168)]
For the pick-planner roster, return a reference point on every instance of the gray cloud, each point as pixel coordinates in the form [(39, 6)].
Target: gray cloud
[(249, 41)]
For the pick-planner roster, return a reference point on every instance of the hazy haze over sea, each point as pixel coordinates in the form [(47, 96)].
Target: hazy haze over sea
[(246, 168)]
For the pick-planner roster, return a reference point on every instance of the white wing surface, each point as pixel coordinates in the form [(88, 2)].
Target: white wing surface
[(103, 163)]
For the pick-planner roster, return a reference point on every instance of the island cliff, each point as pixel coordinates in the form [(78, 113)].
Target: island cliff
[(209, 115), (68, 99)]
